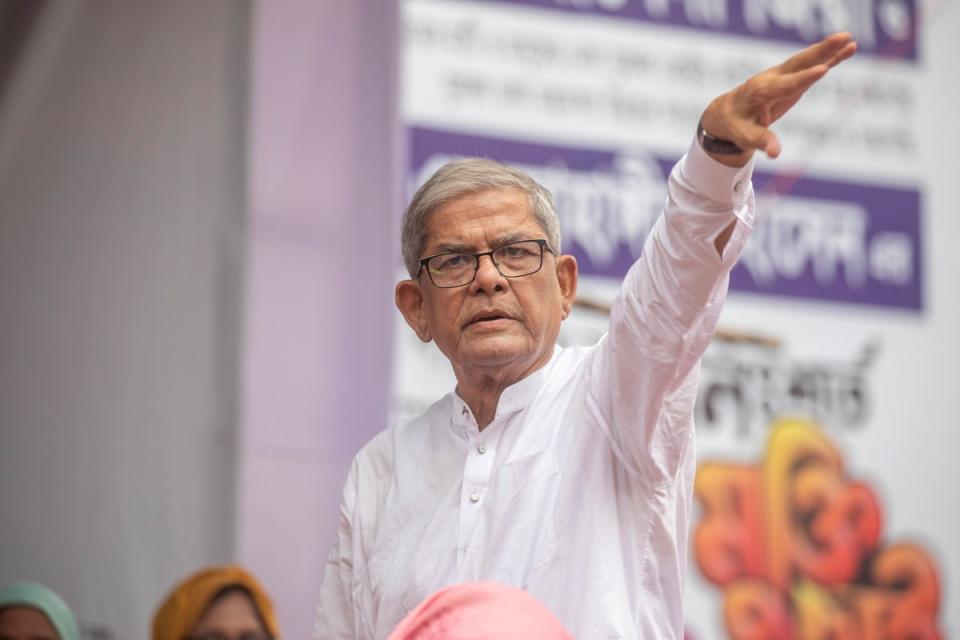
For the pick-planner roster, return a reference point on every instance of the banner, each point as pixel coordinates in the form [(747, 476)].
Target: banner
[(812, 518)]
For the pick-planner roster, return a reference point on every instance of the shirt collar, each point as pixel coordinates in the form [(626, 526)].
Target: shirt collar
[(514, 398)]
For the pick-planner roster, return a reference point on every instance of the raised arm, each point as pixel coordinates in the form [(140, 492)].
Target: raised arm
[(642, 376)]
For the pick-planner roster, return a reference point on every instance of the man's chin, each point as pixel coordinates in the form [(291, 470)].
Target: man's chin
[(494, 350)]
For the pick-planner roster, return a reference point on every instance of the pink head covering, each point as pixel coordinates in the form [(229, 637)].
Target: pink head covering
[(480, 611)]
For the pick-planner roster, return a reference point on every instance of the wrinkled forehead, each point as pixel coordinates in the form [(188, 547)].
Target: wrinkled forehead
[(483, 218)]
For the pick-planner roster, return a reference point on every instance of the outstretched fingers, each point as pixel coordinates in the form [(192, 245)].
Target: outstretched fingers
[(830, 51), (799, 81), (846, 52)]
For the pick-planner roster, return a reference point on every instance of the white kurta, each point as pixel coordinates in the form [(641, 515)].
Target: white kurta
[(580, 490)]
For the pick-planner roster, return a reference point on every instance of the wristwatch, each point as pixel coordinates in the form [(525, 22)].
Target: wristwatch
[(714, 145)]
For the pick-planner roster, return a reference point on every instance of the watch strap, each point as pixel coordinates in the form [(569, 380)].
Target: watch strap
[(717, 146)]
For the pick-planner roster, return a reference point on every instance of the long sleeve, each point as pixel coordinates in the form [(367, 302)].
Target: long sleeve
[(335, 611), (642, 375)]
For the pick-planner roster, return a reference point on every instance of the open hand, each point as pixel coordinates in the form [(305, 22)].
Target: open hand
[(744, 115)]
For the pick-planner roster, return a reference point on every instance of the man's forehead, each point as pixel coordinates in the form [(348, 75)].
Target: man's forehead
[(490, 216)]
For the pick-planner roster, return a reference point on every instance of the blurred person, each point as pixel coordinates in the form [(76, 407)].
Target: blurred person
[(480, 611), (30, 611), (218, 603), (566, 472)]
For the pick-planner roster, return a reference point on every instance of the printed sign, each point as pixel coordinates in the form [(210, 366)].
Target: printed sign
[(796, 544), (885, 27)]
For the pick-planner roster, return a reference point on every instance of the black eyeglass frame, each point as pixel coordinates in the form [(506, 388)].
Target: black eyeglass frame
[(544, 245)]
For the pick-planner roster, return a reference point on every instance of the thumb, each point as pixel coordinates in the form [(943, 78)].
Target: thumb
[(757, 136), (771, 144)]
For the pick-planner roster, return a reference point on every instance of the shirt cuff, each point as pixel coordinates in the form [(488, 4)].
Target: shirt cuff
[(718, 182)]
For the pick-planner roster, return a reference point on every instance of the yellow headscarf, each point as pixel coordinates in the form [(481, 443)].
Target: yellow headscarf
[(184, 607)]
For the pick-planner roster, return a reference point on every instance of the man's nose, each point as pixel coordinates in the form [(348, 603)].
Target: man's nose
[(488, 277)]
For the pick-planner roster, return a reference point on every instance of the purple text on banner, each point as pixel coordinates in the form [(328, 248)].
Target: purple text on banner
[(816, 239), (882, 27)]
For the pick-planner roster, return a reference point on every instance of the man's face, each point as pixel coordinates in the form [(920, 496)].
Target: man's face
[(494, 323)]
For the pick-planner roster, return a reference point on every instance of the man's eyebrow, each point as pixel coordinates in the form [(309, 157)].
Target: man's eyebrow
[(459, 247), (513, 237), (448, 247)]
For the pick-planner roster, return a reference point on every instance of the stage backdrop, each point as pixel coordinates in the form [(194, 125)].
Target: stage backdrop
[(122, 142), (825, 417)]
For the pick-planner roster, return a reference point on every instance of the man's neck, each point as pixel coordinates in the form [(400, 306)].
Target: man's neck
[(482, 398), (481, 389)]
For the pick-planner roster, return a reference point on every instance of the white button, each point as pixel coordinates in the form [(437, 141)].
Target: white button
[(464, 412), (481, 448), (474, 497), (737, 185)]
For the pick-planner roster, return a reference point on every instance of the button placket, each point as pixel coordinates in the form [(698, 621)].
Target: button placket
[(478, 468)]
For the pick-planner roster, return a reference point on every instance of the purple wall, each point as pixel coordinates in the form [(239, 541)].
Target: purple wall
[(318, 319)]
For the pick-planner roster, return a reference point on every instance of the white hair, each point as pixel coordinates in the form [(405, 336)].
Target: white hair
[(465, 176)]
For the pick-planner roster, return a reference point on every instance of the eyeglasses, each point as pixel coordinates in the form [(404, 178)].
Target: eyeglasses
[(458, 268)]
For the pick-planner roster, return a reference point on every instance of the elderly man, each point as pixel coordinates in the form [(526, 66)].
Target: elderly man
[(564, 472)]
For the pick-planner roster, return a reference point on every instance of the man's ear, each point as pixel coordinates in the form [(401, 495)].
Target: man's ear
[(567, 275), (409, 299)]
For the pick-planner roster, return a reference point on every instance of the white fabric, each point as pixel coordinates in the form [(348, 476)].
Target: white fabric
[(580, 490)]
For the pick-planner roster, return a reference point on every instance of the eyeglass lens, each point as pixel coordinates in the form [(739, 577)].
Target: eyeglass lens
[(512, 260)]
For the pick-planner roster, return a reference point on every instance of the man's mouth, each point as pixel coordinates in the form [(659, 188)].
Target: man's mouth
[(487, 317)]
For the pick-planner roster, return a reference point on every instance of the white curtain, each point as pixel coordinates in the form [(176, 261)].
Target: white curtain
[(122, 234)]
